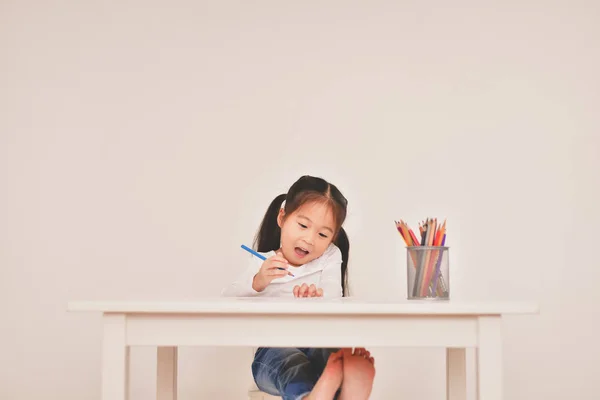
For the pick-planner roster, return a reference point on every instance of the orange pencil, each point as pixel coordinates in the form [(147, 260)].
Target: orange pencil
[(408, 239), (410, 233), (428, 259), (414, 238), (405, 233), (399, 229)]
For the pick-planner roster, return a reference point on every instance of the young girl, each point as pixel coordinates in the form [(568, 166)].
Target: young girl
[(307, 256)]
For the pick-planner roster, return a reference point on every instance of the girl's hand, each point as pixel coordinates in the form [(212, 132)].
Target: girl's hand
[(269, 270), (307, 291)]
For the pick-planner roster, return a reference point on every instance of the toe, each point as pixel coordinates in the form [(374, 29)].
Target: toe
[(335, 356), (347, 352)]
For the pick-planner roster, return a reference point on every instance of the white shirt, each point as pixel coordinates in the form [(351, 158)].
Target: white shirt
[(324, 272)]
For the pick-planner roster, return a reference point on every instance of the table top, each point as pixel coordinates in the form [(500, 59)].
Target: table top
[(313, 306)]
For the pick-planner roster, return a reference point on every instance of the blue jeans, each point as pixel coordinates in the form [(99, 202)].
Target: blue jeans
[(289, 372)]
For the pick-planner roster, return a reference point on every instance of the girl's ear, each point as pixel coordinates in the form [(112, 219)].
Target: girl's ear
[(280, 217)]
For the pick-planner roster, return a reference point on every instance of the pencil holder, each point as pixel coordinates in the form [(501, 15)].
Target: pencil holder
[(427, 273)]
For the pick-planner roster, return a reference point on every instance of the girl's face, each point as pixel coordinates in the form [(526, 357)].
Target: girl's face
[(306, 233)]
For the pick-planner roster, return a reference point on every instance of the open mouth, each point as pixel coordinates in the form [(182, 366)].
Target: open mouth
[(301, 251)]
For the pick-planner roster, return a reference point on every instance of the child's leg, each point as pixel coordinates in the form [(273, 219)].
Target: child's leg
[(285, 372), (318, 360), (318, 357), (359, 374)]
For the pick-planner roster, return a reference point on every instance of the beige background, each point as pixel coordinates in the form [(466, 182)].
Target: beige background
[(141, 142)]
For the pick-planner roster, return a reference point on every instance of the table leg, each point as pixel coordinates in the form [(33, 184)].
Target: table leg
[(456, 374), (166, 373), (115, 358), (489, 359), (476, 373)]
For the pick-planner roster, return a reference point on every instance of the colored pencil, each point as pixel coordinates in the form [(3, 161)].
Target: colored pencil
[(257, 254), (429, 280)]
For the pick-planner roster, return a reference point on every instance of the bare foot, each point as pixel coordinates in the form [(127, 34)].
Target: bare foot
[(330, 379), (359, 373)]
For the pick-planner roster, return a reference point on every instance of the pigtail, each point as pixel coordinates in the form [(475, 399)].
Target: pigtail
[(268, 236), (343, 244)]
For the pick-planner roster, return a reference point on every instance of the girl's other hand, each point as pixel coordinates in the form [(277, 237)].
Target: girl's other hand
[(270, 270), (307, 291)]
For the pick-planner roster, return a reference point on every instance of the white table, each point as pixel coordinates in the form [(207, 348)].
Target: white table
[(346, 322)]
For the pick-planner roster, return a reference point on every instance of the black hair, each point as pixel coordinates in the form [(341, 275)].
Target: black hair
[(305, 189)]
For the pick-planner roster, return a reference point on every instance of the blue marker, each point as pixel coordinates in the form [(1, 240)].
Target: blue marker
[(248, 249)]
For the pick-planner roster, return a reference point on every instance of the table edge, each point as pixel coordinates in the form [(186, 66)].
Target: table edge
[(199, 307)]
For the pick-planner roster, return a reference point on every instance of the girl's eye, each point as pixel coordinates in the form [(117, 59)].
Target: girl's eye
[(323, 235), (302, 225)]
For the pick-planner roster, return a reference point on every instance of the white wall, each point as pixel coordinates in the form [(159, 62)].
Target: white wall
[(140, 143)]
